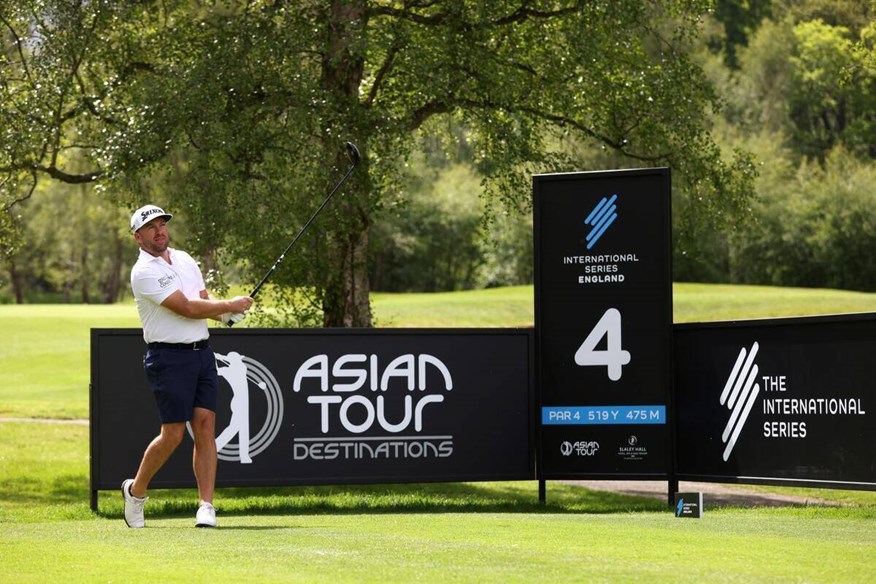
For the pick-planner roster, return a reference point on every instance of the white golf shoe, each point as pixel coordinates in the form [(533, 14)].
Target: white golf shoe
[(206, 516), (133, 506)]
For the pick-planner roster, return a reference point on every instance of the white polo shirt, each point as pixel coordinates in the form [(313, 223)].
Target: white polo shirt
[(153, 280)]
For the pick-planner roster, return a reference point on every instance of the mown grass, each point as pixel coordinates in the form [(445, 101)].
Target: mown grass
[(483, 532), (716, 302), (495, 307), (514, 306), (45, 354), (729, 546)]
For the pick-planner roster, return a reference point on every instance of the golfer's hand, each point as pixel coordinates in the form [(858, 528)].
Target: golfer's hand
[(240, 304)]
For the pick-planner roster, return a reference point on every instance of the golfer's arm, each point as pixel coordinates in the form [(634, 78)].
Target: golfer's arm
[(207, 296), (196, 307)]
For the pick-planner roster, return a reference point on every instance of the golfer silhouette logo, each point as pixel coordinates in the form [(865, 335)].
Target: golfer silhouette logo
[(241, 373), (233, 369)]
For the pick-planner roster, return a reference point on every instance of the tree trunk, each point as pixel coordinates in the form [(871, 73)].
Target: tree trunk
[(17, 282), (84, 278), (113, 283), (346, 302)]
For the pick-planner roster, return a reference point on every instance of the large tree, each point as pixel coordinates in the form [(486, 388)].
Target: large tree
[(233, 112)]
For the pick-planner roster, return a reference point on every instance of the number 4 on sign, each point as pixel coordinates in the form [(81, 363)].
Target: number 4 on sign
[(613, 357)]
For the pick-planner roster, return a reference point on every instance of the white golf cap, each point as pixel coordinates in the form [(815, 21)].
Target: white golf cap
[(145, 214)]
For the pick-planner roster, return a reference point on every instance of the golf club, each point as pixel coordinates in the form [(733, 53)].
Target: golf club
[(353, 155)]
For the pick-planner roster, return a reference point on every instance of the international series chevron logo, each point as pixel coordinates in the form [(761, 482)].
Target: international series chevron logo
[(600, 219), (740, 393)]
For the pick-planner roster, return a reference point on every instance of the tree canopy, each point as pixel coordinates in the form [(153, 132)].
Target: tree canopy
[(233, 113)]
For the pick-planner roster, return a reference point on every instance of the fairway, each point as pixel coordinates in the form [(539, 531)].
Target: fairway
[(458, 532), (484, 532), (45, 356), (729, 546)]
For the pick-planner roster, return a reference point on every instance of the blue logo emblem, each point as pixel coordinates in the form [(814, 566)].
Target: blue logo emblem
[(600, 218), (679, 508)]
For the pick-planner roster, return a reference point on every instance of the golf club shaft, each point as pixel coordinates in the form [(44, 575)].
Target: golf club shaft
[(353, 153)]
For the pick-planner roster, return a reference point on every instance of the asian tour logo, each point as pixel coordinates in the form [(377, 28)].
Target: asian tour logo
[(600, 219), (740, 393), (579, 448), (365, 425), (241, 373)]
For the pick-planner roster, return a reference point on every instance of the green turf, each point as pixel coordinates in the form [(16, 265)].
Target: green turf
[(710, 302), (514, 306), (485, 532), (495, 307), (734, 546), (45, 354)]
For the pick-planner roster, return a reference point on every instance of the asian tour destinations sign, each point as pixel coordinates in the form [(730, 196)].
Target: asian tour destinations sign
[(332, 406), (785, 401), (603, 323)]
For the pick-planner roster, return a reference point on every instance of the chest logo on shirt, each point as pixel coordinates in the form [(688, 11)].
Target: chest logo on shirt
[(165, 281)]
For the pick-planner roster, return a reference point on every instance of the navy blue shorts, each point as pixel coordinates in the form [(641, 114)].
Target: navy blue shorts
[(181, 380)]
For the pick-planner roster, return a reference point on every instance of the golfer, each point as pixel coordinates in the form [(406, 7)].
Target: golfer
[(180, 366)]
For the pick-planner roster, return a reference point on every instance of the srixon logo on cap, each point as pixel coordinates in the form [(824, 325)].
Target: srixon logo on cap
[(152, 211)]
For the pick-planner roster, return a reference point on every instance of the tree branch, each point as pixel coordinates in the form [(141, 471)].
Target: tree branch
[(435, 108), (385, 68), (426, 111), (521, 14), (72, 179), (8, 206), (18, 47), (561, 121)]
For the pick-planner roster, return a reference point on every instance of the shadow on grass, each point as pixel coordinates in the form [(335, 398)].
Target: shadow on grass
[(513, 497), (62, 489), (44, 474), (67, 496)]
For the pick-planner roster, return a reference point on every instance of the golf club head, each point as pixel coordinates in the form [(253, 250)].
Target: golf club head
[(352, 153)]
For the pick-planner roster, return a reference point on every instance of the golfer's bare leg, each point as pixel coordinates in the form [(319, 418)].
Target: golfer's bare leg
[(204, 456), (157, 453)]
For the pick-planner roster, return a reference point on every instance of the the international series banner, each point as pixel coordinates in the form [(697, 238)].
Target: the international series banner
[(781, 400)]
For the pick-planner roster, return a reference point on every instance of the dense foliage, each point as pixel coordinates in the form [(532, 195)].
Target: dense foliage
[(233, 114), (802, 98)]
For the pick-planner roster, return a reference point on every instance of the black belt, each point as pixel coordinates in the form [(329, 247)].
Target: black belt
[(196, 346)]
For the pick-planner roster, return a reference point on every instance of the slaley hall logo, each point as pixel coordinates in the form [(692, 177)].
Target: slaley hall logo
[(740, 393)]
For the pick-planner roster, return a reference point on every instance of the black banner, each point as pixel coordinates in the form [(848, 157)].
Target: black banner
[(338, 406), (784, 401), (603, 323)]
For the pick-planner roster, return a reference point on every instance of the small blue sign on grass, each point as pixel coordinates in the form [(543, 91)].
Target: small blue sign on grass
[(689, 505)]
